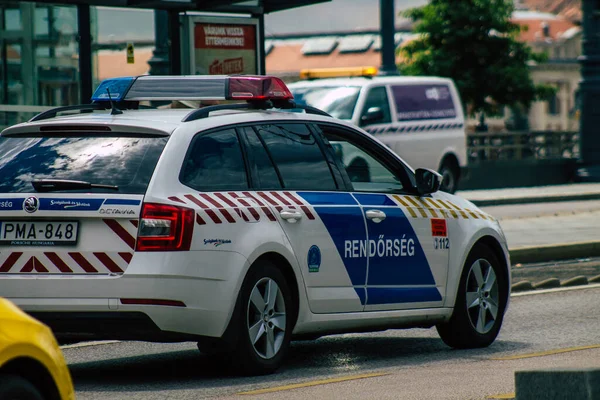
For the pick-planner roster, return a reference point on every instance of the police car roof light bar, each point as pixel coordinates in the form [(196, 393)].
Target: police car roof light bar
[(193, 87)]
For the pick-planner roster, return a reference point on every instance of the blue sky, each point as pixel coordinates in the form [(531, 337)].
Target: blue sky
[(128, 24)]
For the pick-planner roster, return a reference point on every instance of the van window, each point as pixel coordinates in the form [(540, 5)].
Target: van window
[(124, 160), (418, 102), (337, 101)]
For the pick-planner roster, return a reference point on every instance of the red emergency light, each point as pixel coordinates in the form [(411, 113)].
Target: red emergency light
[(257, 88)]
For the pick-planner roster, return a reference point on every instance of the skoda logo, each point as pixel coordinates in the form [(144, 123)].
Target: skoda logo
[(31, 204)]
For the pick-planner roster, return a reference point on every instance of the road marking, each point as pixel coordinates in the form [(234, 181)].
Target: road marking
[(565, 289), (508, 396), (547, 353), (312, 383), (88, 344)]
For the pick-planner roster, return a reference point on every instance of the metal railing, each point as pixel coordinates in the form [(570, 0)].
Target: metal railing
[(519, 145)]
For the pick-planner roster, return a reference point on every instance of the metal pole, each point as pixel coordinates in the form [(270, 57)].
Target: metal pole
[(159, 63), (262, 68), (175, 43), (85, 53), (589, 89), (387, 18)]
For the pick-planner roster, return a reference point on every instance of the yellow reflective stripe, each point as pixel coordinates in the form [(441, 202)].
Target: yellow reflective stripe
[(428, 207), (441, 209), (473, 214), (405, 204), (432, 201), (452, 211), (423, 213)]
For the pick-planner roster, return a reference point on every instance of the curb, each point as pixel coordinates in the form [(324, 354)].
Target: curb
[(527, 286), (533, 199), (553, 252)]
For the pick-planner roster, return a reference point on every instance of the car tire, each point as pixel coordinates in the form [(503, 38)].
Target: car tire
[(265, 321), (480, 302), (14, 387), (450, 176)]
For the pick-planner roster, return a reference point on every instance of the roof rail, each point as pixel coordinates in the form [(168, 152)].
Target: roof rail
[(54, 111), (204, 112)]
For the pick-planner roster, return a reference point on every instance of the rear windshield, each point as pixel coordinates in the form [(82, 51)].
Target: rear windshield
[(337, 101), (127, 162)]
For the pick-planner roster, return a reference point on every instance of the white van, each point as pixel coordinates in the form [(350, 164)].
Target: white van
[(419, 118)]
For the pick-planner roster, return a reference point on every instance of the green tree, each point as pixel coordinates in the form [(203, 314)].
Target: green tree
[(475, 43)]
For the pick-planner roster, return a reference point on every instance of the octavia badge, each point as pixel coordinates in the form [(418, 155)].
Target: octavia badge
[(31, 204)]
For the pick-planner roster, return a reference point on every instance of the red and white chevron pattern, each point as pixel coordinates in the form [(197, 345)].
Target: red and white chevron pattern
[(234, 207), (64, 262)]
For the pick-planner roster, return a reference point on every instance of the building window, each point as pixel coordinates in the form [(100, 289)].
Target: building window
[(554, 105), (39, 57)]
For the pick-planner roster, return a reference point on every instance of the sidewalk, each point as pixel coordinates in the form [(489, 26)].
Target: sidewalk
[(568, 234), (495, 197)]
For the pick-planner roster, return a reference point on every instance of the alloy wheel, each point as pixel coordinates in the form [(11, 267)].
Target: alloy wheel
[(482, 296), (266, 320)]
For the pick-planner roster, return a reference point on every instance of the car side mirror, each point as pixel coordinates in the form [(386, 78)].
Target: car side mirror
[(428, 181), (372, 116)]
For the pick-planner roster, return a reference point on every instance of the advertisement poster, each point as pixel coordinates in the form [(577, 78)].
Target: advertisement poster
[(224, 49)]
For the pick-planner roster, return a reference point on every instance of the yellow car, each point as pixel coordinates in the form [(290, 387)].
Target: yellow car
[(32, 366)]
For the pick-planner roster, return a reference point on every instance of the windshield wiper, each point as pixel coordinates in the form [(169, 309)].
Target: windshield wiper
[(53, 185)]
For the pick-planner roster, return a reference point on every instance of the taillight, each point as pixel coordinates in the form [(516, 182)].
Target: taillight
[(165, 228)]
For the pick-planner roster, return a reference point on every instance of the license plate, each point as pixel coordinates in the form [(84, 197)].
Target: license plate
[(43, 233)]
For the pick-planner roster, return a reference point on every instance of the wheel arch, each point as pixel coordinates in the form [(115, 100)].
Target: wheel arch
[(34, 372), (290, 276), (487, 237), (450, 158)]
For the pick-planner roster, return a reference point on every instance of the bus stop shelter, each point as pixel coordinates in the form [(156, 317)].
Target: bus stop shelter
[(51, 85)]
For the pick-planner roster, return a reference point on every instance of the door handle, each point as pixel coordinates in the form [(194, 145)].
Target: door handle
[(375, 215), (291, 216)]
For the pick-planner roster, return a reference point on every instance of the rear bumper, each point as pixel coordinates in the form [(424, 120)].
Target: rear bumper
[(68, 326), (92, 305)]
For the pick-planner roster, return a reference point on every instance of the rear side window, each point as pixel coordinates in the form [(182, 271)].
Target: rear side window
[(125, 161), (215, 163), (261, 162), (297, 157), (418, 102)]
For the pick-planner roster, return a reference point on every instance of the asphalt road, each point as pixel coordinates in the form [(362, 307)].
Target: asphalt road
[(412, 364)]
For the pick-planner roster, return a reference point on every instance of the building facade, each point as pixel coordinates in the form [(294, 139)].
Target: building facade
[(557, 36)]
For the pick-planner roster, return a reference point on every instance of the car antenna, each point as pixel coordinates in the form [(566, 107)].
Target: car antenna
[(114, 110)]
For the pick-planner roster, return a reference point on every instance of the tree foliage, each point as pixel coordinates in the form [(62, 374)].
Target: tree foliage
[(475, 43)]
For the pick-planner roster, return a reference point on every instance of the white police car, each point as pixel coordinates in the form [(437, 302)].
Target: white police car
[(235, 225)]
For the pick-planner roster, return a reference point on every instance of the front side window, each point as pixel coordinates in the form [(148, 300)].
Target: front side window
[(337, 101), (366, 171), (297, 157), (127, 162), (377, 107), (215, 163)]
